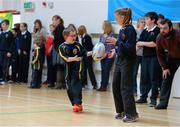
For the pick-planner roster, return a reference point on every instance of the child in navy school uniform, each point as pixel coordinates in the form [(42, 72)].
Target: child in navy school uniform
[(24, 53), (122, 85), (6, 44), (36, 66), (15, 53), (72, 53), (151, 69)]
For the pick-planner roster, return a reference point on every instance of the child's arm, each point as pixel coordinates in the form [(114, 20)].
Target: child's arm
[(150, 44), (72, 59), (65, 57)]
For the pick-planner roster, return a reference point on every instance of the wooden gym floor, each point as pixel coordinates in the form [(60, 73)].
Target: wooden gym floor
[(21, 106)]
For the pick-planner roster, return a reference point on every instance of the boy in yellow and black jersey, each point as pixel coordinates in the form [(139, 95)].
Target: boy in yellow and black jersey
[(36, 67), (72, 53)]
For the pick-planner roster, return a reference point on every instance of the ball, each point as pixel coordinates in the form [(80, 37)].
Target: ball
[(98, 51)]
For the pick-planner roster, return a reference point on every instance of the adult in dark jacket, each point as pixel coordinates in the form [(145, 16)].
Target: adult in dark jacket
[(58, 64), (167, 40)]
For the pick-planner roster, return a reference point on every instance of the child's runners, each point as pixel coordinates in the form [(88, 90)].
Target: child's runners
[(77, 108)]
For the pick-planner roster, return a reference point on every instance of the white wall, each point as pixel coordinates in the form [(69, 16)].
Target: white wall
[(88, 12), (10, 4), (1, 4)]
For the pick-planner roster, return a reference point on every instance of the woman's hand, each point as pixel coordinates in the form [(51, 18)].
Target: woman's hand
[(112, 54), (105, 55)]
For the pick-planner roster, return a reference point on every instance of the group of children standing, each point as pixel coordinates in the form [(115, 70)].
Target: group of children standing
[(15, 52)]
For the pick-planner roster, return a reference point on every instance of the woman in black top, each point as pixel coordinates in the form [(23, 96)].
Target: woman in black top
[(58, 64)]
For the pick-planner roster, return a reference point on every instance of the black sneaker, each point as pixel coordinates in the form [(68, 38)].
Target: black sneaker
[(57, 87), (31, 87), (102, 89), (159, 107), (34, 87), (141, 101), (130, 119), (119, 115), (94, 87), (51, 85), (45, 82), (64, 87)]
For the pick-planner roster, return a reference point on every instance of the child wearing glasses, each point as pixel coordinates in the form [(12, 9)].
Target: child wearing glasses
[(72, 53)]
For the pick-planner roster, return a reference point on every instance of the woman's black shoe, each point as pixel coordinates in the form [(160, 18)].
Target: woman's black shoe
[(101, 89), (51, 86)]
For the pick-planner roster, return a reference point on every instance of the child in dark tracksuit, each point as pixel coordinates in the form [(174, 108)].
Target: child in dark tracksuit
[(72, 53), (36, 67)]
